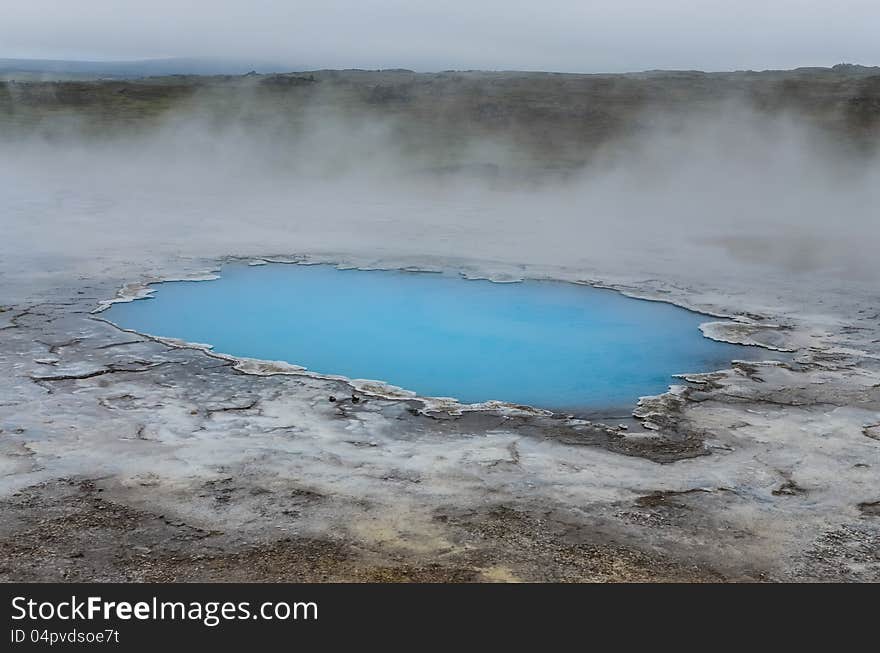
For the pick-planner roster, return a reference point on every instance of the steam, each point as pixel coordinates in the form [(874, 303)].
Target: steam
[(720, 192)]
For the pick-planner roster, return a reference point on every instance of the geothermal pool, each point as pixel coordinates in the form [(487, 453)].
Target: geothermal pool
[(548, 344)]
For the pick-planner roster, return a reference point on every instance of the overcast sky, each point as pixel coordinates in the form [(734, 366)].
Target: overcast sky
[(561, 35)]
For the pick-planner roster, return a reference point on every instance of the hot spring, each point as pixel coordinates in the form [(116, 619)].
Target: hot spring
[(549, 344)]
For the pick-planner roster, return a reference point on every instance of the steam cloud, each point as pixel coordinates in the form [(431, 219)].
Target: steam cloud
[(724, 190)]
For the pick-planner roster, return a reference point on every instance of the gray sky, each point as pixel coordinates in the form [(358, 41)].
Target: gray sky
[(561, 35)]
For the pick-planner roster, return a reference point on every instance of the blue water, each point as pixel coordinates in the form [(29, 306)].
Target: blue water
[(542, 343)]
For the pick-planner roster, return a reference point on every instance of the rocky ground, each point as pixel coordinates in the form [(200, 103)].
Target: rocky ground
[(127, 459)]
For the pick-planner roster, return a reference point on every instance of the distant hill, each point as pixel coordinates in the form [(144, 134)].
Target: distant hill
[(549, 121), (61, 69)]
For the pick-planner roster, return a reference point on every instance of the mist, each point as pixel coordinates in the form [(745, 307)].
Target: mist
[(723, 190)]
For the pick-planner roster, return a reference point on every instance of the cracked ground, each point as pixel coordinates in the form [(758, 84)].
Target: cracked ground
[(124, 458)]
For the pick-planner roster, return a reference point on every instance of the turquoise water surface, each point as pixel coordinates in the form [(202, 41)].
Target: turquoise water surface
[(549, 344)]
